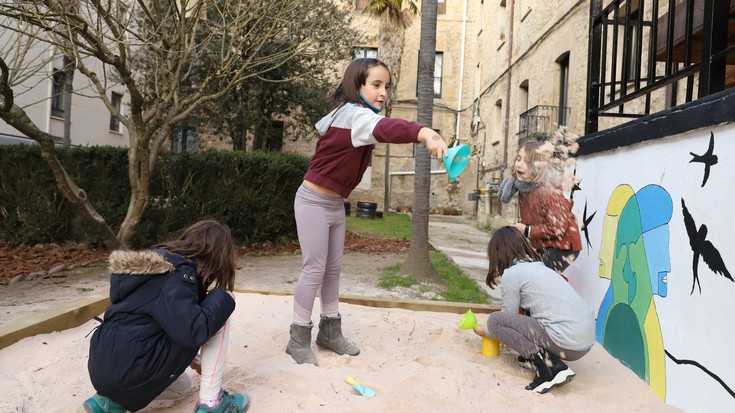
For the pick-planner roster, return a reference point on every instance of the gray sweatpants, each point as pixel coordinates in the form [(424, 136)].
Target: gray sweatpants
[(320, 222), (525, 335)]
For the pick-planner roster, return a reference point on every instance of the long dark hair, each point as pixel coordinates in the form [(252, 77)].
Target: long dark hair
[(507, 246), (355, 76), (209, 245)]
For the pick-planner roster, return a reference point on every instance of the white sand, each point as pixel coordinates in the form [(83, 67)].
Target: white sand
[(415, 362)]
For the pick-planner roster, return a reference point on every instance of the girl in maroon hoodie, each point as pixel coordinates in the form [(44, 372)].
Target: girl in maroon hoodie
[(348, 135)]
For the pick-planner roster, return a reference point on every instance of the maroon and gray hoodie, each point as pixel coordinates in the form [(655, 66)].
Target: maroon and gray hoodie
[(348, 135)]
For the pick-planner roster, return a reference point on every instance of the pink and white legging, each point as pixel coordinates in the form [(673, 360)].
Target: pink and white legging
[(211, 358), (320, 222)]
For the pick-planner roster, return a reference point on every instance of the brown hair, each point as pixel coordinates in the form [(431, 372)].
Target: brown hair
[(538, 163), (507, 246), (209, 245), (355, 77)]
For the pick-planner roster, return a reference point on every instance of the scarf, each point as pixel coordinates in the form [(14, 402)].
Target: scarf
[(511, 185)]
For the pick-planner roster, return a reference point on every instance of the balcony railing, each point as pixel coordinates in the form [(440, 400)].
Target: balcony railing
[(541, 119), (640, 47)]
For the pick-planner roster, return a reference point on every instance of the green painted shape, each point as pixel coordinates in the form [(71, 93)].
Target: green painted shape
[(624, 340)]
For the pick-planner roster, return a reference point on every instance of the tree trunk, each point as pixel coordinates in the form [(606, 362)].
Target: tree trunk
[(69, 69), (141, 163), (417, 263), (390, 51)]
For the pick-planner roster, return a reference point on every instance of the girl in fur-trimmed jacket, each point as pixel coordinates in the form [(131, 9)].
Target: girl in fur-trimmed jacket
[(163, 313)]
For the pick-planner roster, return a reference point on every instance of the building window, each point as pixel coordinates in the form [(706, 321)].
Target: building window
[(438, 63), (116, 101), (57, 93), (184, 138), (441, 7), (275, 137), (563, 88), (523, 95), (362, 52), (630, 47)]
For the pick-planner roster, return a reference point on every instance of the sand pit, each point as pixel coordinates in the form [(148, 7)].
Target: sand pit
[(415, 362)]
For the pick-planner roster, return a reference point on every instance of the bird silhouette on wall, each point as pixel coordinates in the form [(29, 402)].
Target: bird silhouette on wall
[(708, 158), (585, 222), (576, 184), (701, 246)]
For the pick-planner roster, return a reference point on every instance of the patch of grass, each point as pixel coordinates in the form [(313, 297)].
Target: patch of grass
[(393, 225), (391, 278), (460, 287)]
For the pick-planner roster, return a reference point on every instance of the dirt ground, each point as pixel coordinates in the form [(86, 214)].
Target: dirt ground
[(37, 278)]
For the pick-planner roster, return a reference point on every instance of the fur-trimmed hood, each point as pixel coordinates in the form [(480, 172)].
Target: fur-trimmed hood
[(139, 262)]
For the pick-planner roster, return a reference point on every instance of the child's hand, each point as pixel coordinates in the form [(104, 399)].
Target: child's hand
[(479, 330), (196, 365), (434, 143), (520, 227)]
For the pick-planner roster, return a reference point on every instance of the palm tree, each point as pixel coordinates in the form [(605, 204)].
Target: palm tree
[(394, 20), (395, 16), (417, 263)]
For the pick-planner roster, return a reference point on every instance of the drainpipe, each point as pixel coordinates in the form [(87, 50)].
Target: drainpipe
[(507, 97), (461, 71)]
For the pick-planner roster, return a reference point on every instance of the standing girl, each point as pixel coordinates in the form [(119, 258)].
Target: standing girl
[(163, 313), (348, 135), (561, 325), (547, 219)]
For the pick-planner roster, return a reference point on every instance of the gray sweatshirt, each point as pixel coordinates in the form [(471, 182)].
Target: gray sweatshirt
[(568, 319)]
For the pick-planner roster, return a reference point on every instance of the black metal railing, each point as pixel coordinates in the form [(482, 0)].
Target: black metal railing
[(541, 120), (642, 48)]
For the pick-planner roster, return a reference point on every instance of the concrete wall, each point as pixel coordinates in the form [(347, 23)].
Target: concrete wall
[(667, 321)]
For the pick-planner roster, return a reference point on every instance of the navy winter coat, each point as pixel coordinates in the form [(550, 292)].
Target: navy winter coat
[(154, 327)]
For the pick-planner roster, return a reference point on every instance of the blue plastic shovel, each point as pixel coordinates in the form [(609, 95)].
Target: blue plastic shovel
[(364, 391)]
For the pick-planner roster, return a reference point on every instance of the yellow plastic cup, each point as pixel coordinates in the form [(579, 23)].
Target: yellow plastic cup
[(490, 347)]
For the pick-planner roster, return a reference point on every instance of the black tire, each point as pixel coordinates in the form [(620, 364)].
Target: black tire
[(365, 213), (367, 205), (379, 214), (347, 208)]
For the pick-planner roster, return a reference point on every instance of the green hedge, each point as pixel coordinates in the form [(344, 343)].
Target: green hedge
[(252, 192)]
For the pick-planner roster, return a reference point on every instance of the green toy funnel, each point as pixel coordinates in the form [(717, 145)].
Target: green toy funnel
[(457, 160), (469, 321)]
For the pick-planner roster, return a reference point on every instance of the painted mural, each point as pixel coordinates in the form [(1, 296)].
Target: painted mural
[(634, 255), (658, 259)]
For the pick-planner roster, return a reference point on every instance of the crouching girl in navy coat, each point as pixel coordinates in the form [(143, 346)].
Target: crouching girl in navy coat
[(163, 316)]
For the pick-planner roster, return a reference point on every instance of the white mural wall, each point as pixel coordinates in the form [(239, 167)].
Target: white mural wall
[(659, 259)]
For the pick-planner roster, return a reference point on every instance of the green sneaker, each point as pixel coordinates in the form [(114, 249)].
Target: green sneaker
[(228, 403), (102, 404)]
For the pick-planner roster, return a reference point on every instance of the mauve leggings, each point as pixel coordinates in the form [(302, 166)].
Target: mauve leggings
[(525, 335), (320, 222)]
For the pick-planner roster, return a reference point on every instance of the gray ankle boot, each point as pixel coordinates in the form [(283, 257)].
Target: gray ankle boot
[(330, 337), (299, 346)]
